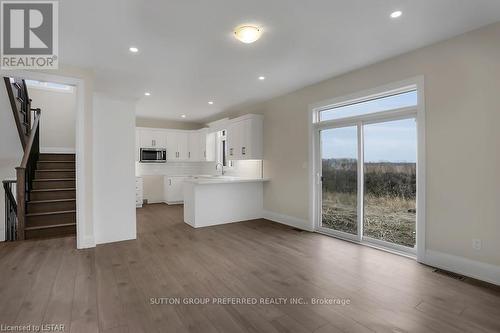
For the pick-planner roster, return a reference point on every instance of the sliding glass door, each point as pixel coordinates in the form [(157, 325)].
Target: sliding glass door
[(390, 182), (339, 186), (368, 182)]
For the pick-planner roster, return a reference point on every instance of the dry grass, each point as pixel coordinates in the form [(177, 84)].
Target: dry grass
[(391, 219)]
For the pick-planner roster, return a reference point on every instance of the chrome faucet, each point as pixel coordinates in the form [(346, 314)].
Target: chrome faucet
[(221, 167)]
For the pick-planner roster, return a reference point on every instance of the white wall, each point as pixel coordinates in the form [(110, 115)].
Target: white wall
[(11, 151), (57, 125), (462, 80), (114, 170)]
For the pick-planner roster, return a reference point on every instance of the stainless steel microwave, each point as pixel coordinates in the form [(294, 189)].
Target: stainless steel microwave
[(153, 155)]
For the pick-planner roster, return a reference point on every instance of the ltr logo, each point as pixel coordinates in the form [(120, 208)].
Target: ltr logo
[(29, 34)]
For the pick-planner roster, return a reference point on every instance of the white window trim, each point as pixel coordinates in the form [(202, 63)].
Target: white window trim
[(417, 112)]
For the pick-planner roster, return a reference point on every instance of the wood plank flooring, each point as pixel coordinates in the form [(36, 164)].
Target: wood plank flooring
[(111, 288)]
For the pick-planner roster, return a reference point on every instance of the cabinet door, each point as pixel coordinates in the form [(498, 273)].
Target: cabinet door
[(202, 145), (182, 146), (210, 146), (160, 139), (172, 143), (234, 132), (194, 146), (147, 138)]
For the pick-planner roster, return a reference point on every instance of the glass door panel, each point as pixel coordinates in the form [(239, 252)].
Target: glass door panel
[(339, 162), (390, 154)]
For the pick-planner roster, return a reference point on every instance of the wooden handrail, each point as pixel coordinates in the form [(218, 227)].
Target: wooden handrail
[(31, 140)]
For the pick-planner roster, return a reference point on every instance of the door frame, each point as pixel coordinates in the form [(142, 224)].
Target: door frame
[(82, 239), (315, 127)]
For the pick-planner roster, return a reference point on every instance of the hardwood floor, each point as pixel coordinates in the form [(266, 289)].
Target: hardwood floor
[(110, 288)]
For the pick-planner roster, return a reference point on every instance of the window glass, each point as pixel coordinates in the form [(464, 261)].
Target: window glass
[(407, 99)]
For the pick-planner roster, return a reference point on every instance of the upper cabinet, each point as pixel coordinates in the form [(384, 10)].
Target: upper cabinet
[(150, 138), (177, 145), (243, 141), (244, 138)]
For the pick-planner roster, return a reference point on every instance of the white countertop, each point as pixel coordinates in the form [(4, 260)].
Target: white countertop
[(207, 180)]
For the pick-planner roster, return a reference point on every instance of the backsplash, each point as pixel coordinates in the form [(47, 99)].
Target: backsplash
[(170, 168), (245, 169)]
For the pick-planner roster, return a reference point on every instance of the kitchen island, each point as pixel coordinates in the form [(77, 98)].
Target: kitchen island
[(219, 200)]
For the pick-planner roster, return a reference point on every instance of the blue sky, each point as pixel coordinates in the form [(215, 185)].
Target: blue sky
[(394, 141)]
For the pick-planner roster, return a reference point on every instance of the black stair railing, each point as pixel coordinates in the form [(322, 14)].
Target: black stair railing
[(10, 211), (28, 125)]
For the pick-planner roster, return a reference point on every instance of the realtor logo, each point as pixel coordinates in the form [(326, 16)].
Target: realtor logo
[(29, 35)]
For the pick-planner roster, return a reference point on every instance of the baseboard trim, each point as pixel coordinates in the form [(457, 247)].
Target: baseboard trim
[(287, 220), (467, 267), (57, 150)]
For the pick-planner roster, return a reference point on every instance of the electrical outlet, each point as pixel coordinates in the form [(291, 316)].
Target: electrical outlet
[(476, 244)]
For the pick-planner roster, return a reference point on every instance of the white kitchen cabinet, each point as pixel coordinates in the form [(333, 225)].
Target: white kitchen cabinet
[(177, 145), (151, 138), (173, 189), (210, 146), (139, 194), (244, 138), (197, 145)]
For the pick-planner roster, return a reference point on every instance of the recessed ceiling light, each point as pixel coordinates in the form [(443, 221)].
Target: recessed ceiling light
[(210, 102), (147, 94), (396, 14), (262, 78), (247, 33), (183, 116), (133, 49)]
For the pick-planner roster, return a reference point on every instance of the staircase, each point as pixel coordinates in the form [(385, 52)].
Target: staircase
[(44, 202), (51, 204)]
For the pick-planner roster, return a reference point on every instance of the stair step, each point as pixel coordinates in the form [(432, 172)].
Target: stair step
[(56, 157), (45, 206), (55, 174), (41, 184), (52, 230), (50, 218), (53, 194), (48, 165)]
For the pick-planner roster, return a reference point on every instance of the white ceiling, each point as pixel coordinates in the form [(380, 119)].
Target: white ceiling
[(188, 56)]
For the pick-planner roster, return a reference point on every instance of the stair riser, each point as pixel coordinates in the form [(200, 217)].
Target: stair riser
[(54, 174), (53, 195), (51, 232), (51, 206), (57, 157), (53, 184), (56, 165), (45, 220)]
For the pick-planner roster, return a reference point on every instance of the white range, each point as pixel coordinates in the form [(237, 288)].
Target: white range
[(212, 200)]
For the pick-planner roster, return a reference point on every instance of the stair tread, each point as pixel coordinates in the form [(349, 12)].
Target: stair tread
[(52, 213), (51, 226), (54, 170), (52, 179), (50, 201), (54, 189), (49, 161)]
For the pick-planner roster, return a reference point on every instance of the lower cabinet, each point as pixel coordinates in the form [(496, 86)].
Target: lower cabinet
[(173, 190), (138, 192)]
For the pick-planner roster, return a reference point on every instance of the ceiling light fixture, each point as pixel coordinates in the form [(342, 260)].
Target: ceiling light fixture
[(183, 116), (247, 33), (133, 49), (396, 14), (262, 78), (147, 94), (211, 103)]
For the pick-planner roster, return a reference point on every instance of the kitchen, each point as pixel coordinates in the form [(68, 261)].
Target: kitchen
[(215, 171)]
